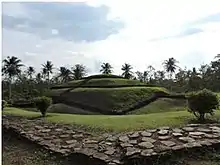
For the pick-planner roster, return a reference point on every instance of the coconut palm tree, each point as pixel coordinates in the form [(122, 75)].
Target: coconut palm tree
[(78, 71), (106, 68), (38, 77), (127, 73), (65, 74), (170, 66), (30, 71), (48, 69), (11, 68)]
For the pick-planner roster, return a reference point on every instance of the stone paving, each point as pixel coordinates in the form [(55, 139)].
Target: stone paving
[(114, 149)]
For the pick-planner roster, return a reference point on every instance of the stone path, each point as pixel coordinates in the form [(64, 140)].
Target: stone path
[(114, 149)]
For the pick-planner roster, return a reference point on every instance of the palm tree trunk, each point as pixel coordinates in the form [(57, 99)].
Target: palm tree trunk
[(9, 89), (171, 82), (48, 80)]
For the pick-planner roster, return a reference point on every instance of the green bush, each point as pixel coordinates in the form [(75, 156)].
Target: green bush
[(202, 102), (4, 104), (42, 103)]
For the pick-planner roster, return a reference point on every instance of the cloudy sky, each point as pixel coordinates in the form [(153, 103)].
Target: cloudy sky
[(139, 32)]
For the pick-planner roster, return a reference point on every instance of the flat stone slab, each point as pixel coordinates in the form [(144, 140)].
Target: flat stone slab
[(113, 148), (163, 132), (146, 134), (146, 145), (168, 143)]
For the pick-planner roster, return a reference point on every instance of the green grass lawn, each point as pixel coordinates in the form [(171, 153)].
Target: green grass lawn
[(114, 123)]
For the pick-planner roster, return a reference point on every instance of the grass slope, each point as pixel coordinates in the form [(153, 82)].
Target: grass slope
[(162, 105), (114, 123), (99, 82)]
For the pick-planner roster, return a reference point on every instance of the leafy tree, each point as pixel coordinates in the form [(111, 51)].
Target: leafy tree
[(42, 103), (194, 80), (11, 68), (106, 68), (79, 71), (140, 76), (150, 71), (127, 73), (170, 66), (202, 102)]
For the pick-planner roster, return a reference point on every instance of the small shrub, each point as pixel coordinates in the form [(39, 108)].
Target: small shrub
[(202, 102), (4, 104), (42, 103)]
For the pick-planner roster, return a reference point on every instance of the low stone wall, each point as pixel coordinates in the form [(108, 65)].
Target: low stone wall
[(114, 149)]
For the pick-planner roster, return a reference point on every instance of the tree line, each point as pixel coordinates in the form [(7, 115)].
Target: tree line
[(27, 84)]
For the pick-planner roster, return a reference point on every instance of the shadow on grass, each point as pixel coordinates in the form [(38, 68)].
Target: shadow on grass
[(40, 117), (207, 121)]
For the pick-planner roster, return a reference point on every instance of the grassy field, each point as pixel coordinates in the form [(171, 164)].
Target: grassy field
[(115, 123)]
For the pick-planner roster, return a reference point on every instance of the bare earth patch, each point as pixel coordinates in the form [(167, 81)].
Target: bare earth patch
[(16, 152)]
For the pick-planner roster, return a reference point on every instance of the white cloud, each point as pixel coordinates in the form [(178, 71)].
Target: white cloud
[(54, 31), (144, 20)]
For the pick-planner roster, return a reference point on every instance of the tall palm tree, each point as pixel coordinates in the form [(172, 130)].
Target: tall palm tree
[(79, 71), (106, 68), (48, 69), (170, 66), (44, 73), (30, 71), (65, 74), (11, 68), (38, 77), (127, 73)]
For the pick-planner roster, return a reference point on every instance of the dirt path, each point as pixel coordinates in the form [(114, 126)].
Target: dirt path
[(17, 152)]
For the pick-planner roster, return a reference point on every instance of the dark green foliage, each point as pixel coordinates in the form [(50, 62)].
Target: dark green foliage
[(42, 103), (23, 103), (4, 104), (202, 102)]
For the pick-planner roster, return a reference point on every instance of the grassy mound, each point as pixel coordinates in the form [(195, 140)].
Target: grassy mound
[(102, 82), (109, 98), (105, 92)]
